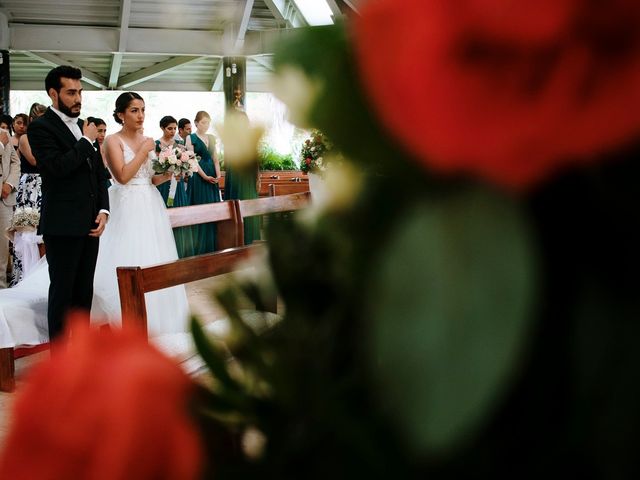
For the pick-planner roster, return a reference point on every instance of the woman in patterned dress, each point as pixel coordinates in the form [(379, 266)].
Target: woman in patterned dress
[(29, 192)]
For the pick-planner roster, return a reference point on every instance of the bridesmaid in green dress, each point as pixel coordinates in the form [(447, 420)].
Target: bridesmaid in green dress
[(183, 235), (243, 186), (203, 186)]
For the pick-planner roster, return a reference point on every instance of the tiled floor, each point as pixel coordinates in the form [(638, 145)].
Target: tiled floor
[(199, 301)]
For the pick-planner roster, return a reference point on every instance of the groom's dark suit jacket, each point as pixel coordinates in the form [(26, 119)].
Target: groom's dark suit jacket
[(73, 177)]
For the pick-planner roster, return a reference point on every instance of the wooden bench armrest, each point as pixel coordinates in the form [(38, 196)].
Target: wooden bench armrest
[(134, 282)]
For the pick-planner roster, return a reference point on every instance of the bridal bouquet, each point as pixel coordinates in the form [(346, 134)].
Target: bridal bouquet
[(177, 160), (24, 219), (313, 151)]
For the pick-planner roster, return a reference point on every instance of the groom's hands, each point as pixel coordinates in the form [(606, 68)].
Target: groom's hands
[(101, 222)]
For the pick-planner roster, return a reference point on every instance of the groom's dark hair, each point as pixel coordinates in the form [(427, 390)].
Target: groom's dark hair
[(53, 77)]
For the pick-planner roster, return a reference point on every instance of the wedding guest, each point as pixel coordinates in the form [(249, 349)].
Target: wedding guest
[(169, 126), (30, 187), (203, 187), (5, 123), (102, 132), (20, 122), (183, 235), (184, 128), (29, 192), (9, 175)]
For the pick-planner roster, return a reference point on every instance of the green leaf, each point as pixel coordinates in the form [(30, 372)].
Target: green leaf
[(450, 304)]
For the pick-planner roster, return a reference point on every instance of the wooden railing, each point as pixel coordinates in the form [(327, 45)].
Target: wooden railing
[(134, 282)]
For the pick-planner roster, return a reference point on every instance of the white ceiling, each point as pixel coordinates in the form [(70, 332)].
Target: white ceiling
[(174, 45)]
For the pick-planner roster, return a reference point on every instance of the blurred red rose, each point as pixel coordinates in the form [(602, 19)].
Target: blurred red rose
[(108, 406), (508, 90)]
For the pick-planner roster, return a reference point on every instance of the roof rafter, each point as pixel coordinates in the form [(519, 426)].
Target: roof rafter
[(216, 84), (244, 22), (74, 39), (261, 60), (154, 70), (55, 61), (286, 12), (335, 9), (116, 61)]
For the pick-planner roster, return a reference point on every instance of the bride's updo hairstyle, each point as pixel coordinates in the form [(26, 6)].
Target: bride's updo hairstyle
[(122, 102)]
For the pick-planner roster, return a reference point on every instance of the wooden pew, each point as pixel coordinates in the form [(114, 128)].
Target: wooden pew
[(134, 282), (264, 185), (267, 205), (278, 189), (281, 174), (224, 214)]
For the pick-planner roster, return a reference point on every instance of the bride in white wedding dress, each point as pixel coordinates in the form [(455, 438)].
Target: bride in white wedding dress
[(138, 233)]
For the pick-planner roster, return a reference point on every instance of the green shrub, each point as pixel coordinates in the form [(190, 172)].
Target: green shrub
[(272, 160)]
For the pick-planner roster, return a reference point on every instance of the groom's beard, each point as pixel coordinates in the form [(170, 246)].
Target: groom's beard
[(66, 109)]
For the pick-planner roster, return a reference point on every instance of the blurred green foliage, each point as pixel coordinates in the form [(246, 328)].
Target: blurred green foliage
[(270, 159)]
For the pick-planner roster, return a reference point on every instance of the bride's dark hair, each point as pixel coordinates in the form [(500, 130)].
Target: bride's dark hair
[(122, 102)]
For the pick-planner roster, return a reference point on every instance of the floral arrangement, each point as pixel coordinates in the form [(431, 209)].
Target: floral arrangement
[(312, 154), (24, 217), (176, 159)]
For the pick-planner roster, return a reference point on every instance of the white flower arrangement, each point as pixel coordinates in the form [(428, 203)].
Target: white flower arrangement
[(25, 217)]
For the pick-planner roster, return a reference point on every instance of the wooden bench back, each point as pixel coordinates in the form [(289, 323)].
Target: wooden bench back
[(224, 214), (276, 189), (134, 282), (267, 205), (265, 185), (281, 174)]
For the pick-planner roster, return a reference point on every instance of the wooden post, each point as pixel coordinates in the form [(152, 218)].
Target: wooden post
[(234, 82), (7, 370), (5, 86), (131, 288)]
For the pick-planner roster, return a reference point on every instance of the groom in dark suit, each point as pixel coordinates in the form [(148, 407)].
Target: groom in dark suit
[(75, 203)]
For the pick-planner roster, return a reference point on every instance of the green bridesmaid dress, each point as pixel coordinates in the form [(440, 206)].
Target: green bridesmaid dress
[(242, 186), (200, 191)]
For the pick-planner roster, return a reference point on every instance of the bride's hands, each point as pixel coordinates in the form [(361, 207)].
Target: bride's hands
[(147, 145)]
